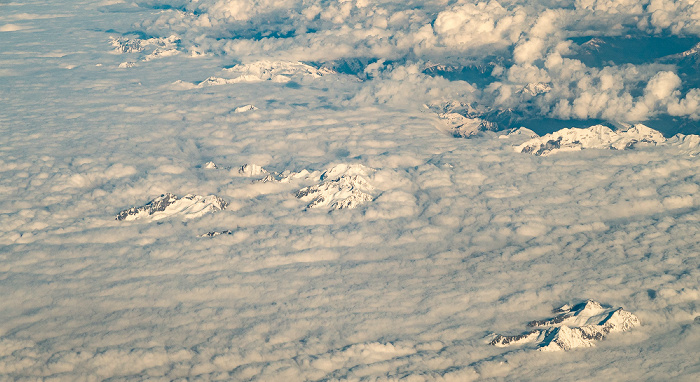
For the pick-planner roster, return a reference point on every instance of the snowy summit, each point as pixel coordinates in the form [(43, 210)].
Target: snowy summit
[(574, 327), (594, 137), (342, 187), (189, 207)]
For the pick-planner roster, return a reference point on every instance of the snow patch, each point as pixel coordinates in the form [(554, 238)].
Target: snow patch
[(244, 108), (520, 132), (160, 53)]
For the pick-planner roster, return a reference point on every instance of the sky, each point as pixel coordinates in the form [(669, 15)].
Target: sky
[(106, 105)]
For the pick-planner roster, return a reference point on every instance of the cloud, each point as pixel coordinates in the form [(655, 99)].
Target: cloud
[(463, 237), (534, 39), (479, 23), (613, 6)]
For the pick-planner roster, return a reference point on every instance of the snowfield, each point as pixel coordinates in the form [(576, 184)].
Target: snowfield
[(357, 198)]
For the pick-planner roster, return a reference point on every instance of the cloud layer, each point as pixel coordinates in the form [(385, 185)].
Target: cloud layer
[(461, 239)]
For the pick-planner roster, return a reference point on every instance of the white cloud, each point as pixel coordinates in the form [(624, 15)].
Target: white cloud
[(662, 85), (689, 105), (613, 6)]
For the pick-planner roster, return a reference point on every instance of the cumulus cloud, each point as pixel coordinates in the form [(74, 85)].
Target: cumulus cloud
[(534, 38), (479, 23), (612, 6)]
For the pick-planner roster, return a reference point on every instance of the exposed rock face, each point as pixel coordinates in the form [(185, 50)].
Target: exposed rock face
[(341, 187), (189, 207), (502, 341), (216, 233), (594, 137), (127, 45), (578, 326)]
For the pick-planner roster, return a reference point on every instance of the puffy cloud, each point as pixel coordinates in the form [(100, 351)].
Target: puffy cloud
[(236, 10), (679, 17), (528, 51), (479, 23), (687, 106), (407, 84), (662, 85), (612, 6), (526, 43)]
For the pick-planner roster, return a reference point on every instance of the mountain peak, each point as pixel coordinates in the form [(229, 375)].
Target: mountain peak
[(342, 187), (594, 137), (189, 206), (573, 327)]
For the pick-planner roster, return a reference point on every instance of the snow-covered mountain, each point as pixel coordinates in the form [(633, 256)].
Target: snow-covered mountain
[(274, 71), (279, 71), (574, 327), (151, 48), (244, 108), (211, 166), (251, 169), (536, 88), (341, 187), (188, 207), (463, 127), (594, 137), (464, 120), (686, 144), (216, 233), (288, 176), (519, 133)]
